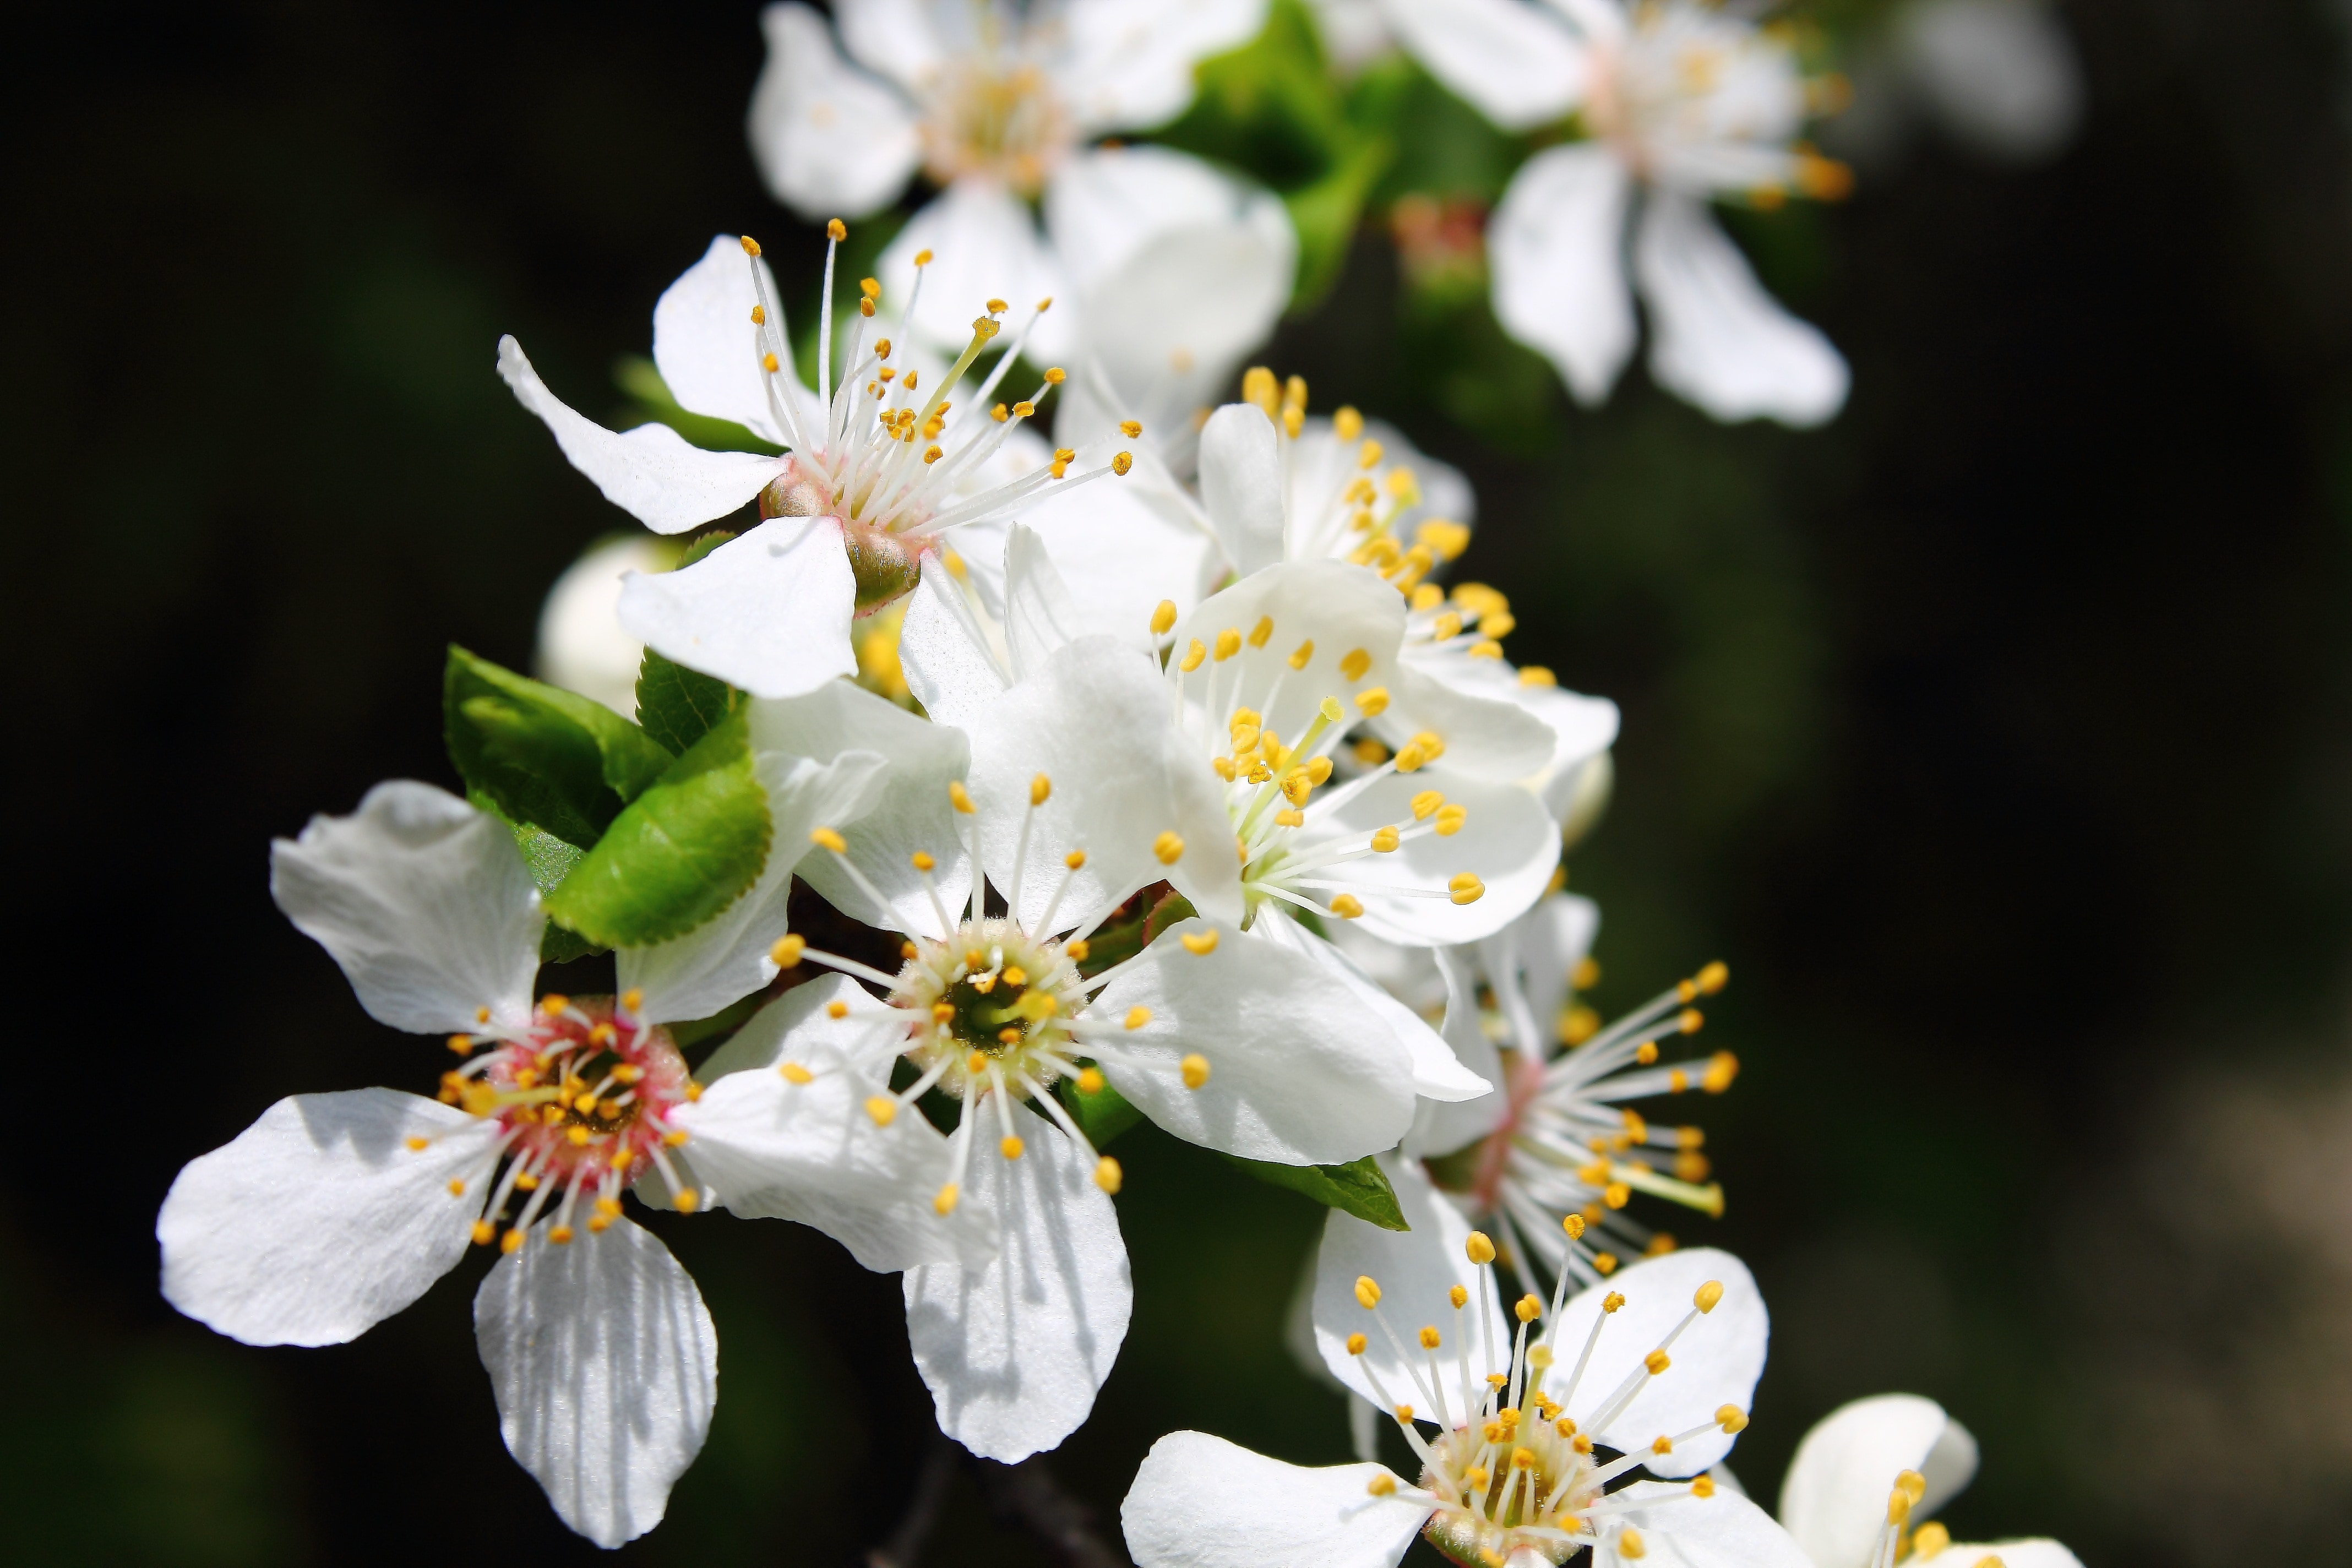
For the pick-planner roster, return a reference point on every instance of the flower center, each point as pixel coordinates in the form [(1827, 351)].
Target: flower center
[(1005, 124), (1506, 1479), (995, 1007), (583, 1097)]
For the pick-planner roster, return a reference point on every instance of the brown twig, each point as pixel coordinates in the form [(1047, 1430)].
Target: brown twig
[(1029, 1494), (932, 1483)]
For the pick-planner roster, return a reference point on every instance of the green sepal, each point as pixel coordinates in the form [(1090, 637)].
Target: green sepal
[(540, 755), (678, 706), (1101, 1116), (680, 853), (637, 375), (1359, 1187)]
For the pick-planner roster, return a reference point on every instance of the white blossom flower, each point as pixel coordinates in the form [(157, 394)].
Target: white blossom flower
[(995, 103), (583, 647), (1864, 1479), (1069, 790), (1509, 1417), (870, 481), (1686, 103), (334, 1211)]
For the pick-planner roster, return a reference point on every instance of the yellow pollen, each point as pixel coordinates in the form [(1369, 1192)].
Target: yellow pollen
[(1193, 655), (826, 838), (1707, 1295), (1367, 455), (944, 1204), (1090, 1080), (1662, 1443), (1617, 1195), (1465, 887), (1606, 1262), (976, 1063), (1368, 1293), (750, 246), (1458, 1294), (1703, 1487), (882, 1109), (1262, 631), (1168, 848), (1523, 1459), (1528, 1308), (1347, 906), (1927, 1542), (1137, 1017), (1163, 616), (870, 287), (579, 1136), (795, 1073), (1711, 979), (960, 797), (1480, 1249), (1107, 1176), (759, 315), (1574, 1224), (1010, 1147), (835, 230), (1384, 840), (483, 1231), (461, 1044), (1446, 626), (1898, 1505), (1429, 1340), (420, 1144), (1450, 820), (1380, 1485), (768, 363), (1075, 859), (1731, 1418), (1120, 462), (1055, 374), (457, 1189), (1201, 943), (1229, 643), (1628, 1543), (1355, 664), (998, 305), (1305, 651), (1425, 803), (1913, 1483), (1195, 1068), (561, 1235), (1356, 1343), (1721, 1069), (787, 951)]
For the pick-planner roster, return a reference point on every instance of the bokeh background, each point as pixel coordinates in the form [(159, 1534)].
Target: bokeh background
[(1995, 735)]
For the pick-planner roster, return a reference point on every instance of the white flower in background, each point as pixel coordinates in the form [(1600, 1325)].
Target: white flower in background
[(1505, 1414), (1070, 791), (1867, 1476), (1686, 103), (334, 1211), (995, 102), (1550, 1159), (870, 481), (1999, 78), (583, 647)]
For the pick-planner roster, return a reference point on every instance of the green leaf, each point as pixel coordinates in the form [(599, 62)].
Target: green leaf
[(543, 755), (683, 851), (1326, 213), (635, 375), (678, 706), (1357, 1187), (1101, 1116)]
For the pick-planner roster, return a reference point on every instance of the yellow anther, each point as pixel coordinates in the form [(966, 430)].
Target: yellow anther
[(561, 1235), (1898, 1507), (1025, 409), (1009, 1146), (1009, 1035), (1295, 787), (1137, 1017), (1120, 462), (1195, 1068), (1574, 1224), (1318, 770), (675, 1138), (1373, 700), (1090, 1080), (1300, 654), (1385, 840), (1646, 1052), (1464, 887), (1721, 1069), (1927, 1542), (1074, 860), (826, 838), (579, 1137), (1356, 1343), (1368, 1293), (960, 797), (1580, 1443), (1446, 626), (1168, 848), (554, 1005), (1346, 422), (420, 1144), (1657, 1362), (461, 1044), (1617, 1195), (1606, 1262), (1450, 820), (1193, 654), (1703, 1487), (1163, 618), (1690, 1021), (1429, 1340), (1243, 735), (483, 1232), (1914, 1484), (512, 1241), (1476, 1477), (835, 230), (1229, 643), (882, 1109), (795, 1073), (932, 454), (1711, 979), (787, 950), (750, 246), (1367, 455), (1707, 1295), (769, 363), (1411, 759), (1347, 906), (1055, 374), (870, 287), (1355, 664), (1425, 803), (1628, 1543), (1537, 675), (1480, 1249), (1380, 1485), (759, 315), (1294, 420), (944, 1204), (1731, 1418), (1449, 540), (976, 1064), (999, 413), (1458, 1294), (1528, 1307)]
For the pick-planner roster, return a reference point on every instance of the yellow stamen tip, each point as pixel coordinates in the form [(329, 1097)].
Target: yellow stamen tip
[(1195, 1068), (826, 838), (750, 246), (787, 951), (882, 1109), (945, 1203), (1200, 943), (1010, 1147), (1480, 1249)]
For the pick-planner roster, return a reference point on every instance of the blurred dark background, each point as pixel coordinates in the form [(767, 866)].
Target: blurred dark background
[(1995, 735)]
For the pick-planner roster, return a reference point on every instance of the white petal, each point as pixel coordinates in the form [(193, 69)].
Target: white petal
[(1724, 1530), (1834, 1500), (1128, 64), (984, 246), (1341, 609), (1513, 62), (772, 1148), (1557, 244), (1178, 269), (1015, 1350), (1487, 736), (583, 647), (1241, 485), (1546, 944), (606, 1369), (426, 903), (900, 39), (649, 472), (1438, 1074), (1095, 721), (707, 349), (1298, 1069), (1123, 545), (1506, 840), (1414, 1269), (910, 812), (1319, 468), (1199, 1501), (768, 612), (1714, 1362), (830, 141), (949, 663), (1579, 727), (1040, 616), (1444, 1128), (2003, 77), (2012, 1553), (724, 959), (319, 1220), (1716, 337)]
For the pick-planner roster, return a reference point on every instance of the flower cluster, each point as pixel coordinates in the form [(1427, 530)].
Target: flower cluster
[(1170, 772)]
